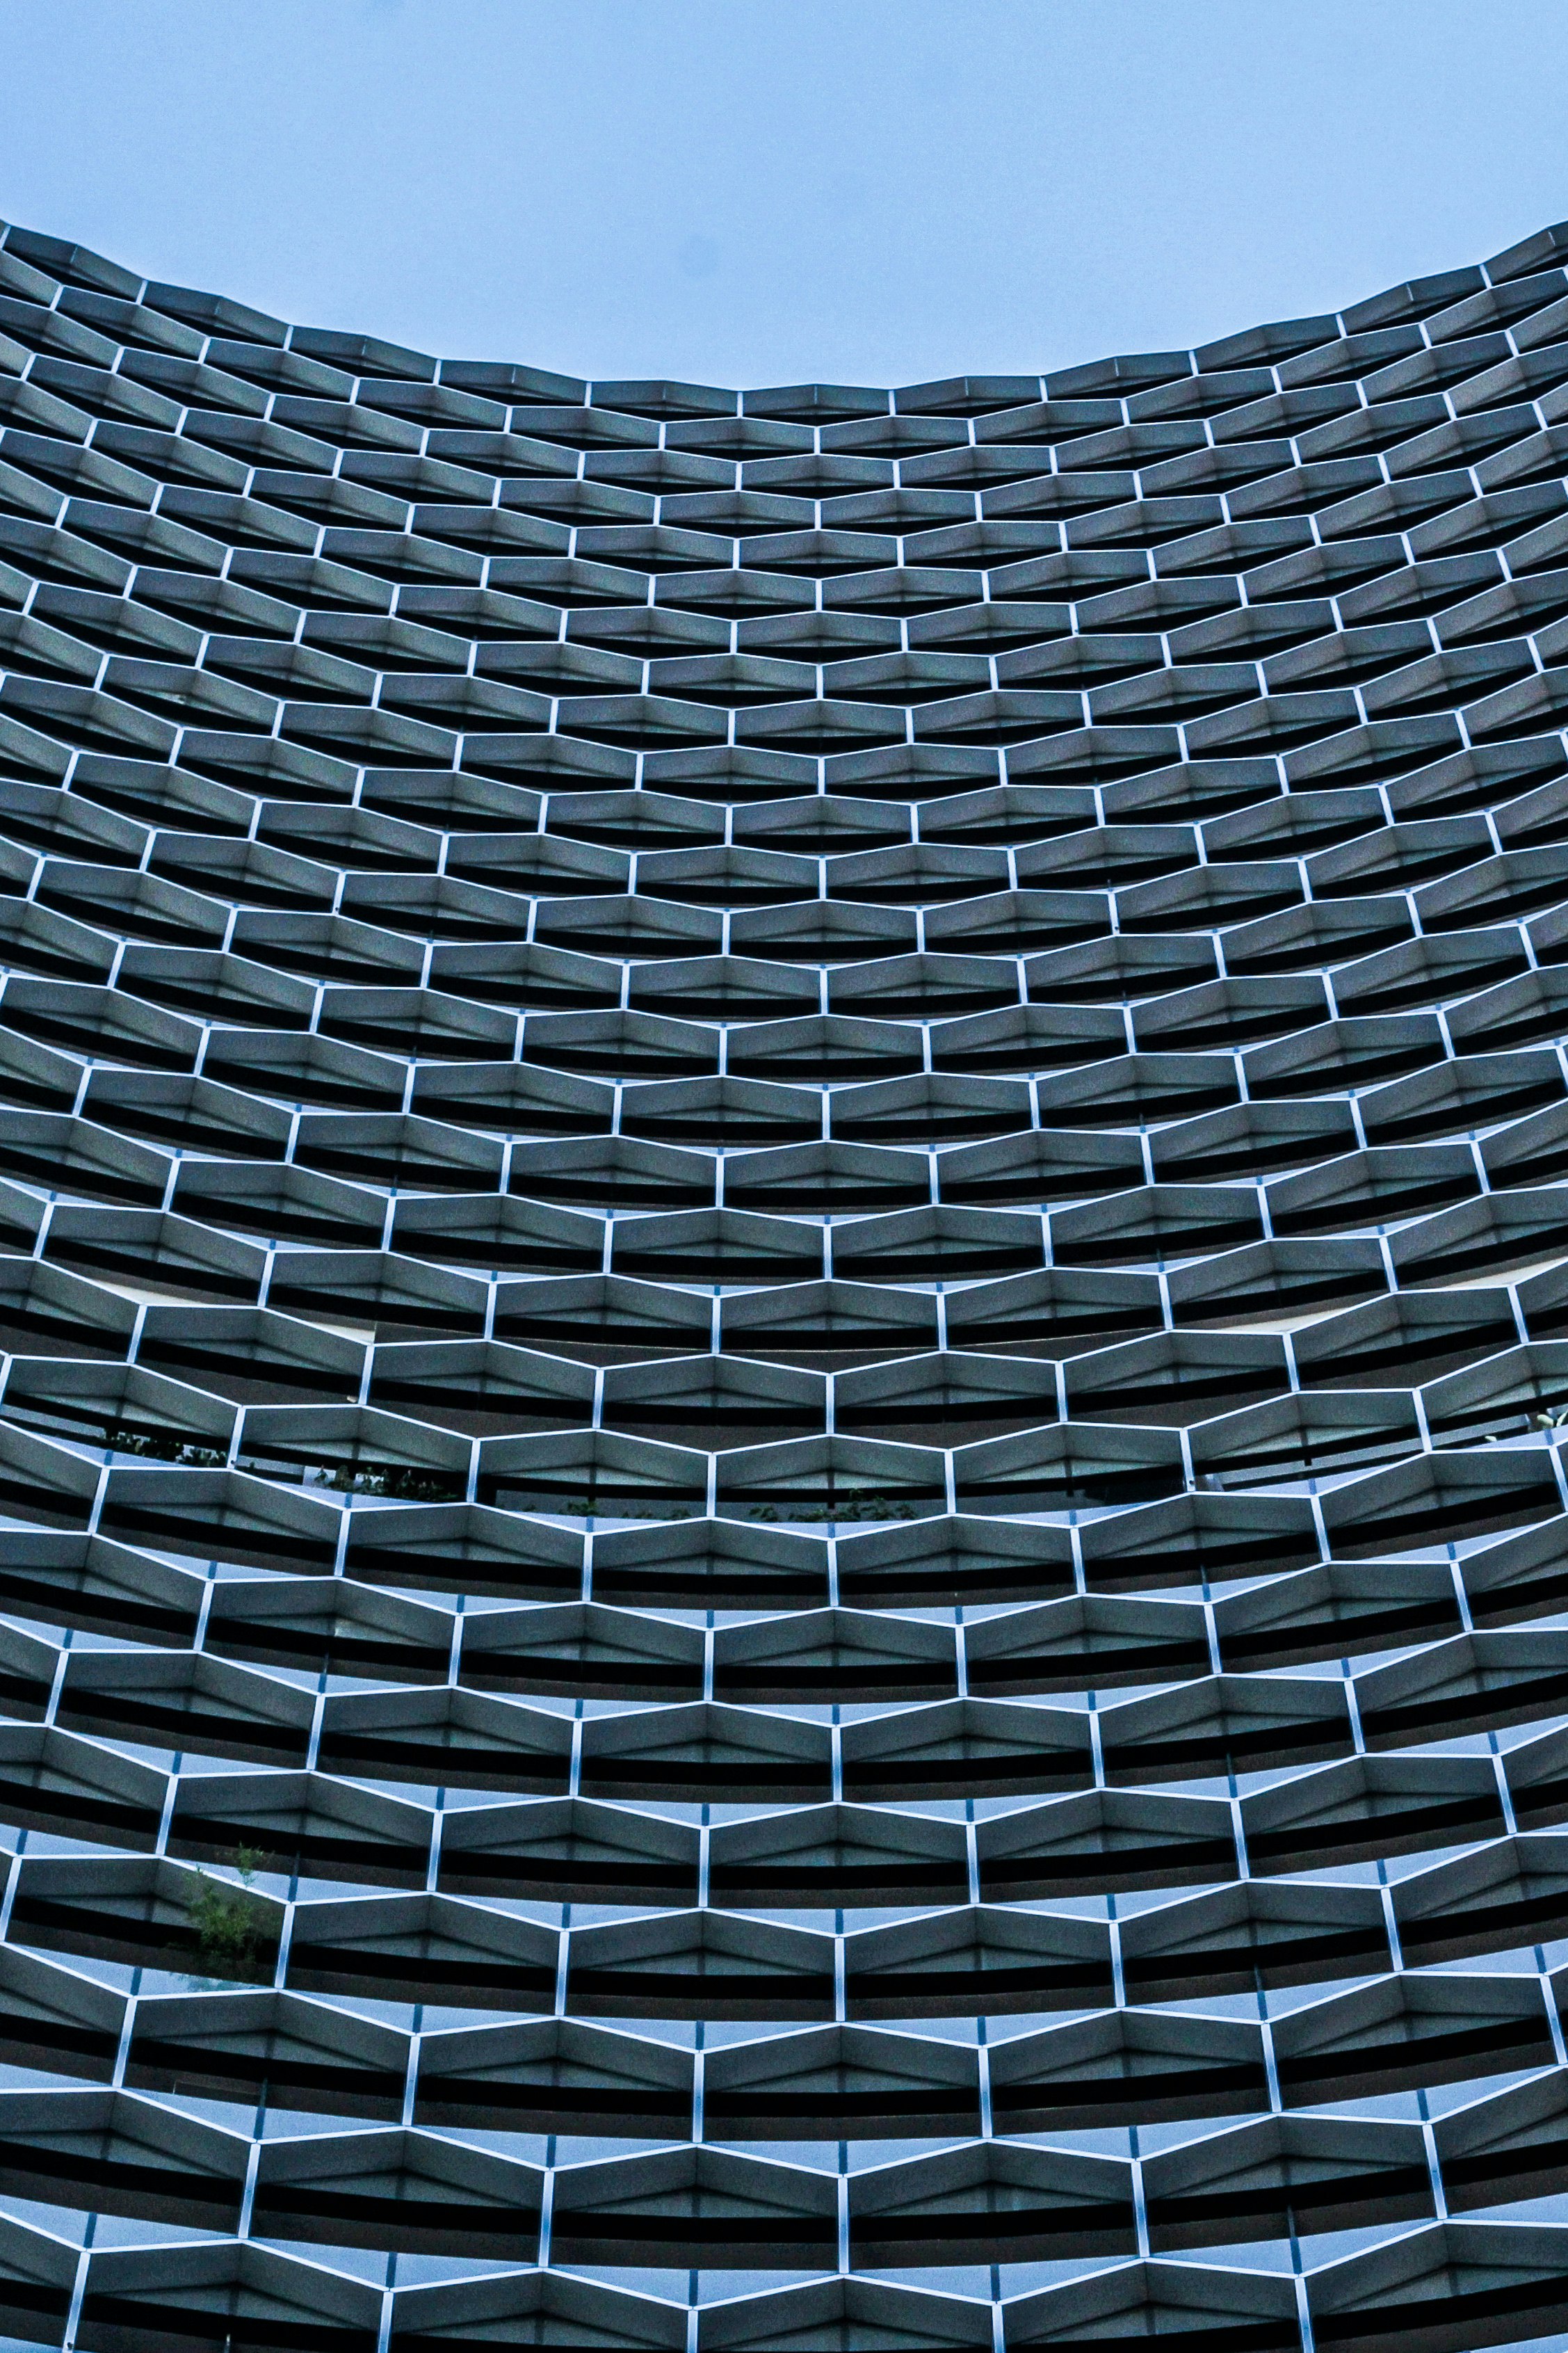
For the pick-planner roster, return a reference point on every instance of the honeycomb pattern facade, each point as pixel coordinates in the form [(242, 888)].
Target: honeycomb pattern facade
[(784, 1290)]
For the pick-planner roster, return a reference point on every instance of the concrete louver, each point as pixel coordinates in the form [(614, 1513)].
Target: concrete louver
[(785, 1293)]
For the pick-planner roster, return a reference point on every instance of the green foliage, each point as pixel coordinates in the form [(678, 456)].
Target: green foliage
[(232, 1928), (399, 1482), (847, 1507)]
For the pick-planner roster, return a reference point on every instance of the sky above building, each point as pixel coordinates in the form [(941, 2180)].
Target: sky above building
[(764, 191)]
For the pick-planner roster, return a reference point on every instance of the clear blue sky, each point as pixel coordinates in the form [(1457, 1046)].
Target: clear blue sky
[(764, 191)]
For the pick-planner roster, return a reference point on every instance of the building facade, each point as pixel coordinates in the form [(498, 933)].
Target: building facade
[(783, 1554)]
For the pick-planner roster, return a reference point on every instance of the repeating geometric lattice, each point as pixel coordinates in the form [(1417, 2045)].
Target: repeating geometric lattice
[(782, 1262)]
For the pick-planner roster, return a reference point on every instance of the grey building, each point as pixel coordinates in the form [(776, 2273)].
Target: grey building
[(783, 1556)]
